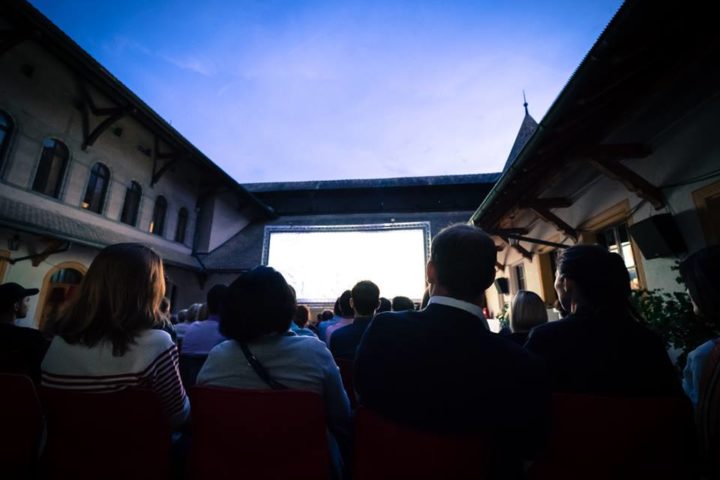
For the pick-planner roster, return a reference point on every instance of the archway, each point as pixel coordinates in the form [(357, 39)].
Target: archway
[(58, 286)]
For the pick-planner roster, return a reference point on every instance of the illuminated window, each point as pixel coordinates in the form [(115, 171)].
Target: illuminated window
[(519, 274), (617, 240), (157, 225), (96, 188), (50, 172), (132, 204), (181, 225), (6, 128)]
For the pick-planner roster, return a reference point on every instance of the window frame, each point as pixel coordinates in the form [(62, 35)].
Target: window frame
[(59, 186), (161, 206), (136, 215), (103, 195), (9, 132), (182, 220)]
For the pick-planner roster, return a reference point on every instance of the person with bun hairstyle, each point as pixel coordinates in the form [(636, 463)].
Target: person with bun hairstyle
[(601, 347), (105, 340)]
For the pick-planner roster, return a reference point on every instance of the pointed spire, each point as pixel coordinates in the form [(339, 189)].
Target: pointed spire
[(525, 104)]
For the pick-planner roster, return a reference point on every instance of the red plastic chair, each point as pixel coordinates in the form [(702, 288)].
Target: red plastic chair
[(618, 438), (21, 425), (258, 434), (347, 371), (120, 435), (386, 450)]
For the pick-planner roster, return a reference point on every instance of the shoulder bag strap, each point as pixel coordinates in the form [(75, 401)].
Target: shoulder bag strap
[(260, 370)]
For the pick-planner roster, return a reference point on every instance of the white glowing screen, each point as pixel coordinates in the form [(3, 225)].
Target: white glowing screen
[(320, 265)]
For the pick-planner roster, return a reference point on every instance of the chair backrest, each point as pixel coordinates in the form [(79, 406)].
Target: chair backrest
[(21, 425), (347, 372), (124, 434), (257, 434), (190, 366), (620, 438), (386, 450)]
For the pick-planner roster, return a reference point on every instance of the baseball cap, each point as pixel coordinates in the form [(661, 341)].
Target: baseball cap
[(12, 292)]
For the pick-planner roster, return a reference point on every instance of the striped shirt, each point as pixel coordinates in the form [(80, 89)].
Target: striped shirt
[(151, 362)]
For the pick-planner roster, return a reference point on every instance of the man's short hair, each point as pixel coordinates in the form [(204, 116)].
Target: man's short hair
[(344, 308), (366, 297), (464, 258)]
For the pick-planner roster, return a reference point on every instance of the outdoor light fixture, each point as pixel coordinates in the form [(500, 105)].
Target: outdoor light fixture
[(14, 243)]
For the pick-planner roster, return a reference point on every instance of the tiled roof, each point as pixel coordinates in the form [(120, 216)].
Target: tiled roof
[(34, 219), (527, 128)]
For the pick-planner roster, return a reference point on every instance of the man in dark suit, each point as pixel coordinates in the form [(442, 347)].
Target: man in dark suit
[(364, 300), (441, 369)]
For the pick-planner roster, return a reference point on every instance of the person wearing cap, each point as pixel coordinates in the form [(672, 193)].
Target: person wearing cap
[(21, 349)]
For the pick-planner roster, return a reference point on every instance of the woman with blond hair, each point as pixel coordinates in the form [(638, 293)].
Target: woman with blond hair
[(105, 339), (527, 312)]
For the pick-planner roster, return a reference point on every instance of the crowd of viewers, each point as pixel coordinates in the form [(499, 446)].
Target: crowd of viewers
[(428, 367)]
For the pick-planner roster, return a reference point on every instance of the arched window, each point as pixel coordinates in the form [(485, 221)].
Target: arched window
[(132, 204), (50, 172), (6, 129), (157, 225), (96, 188), (181, 225)]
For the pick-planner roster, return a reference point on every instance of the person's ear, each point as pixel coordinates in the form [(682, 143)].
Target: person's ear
[(431, 273), (352, 304)]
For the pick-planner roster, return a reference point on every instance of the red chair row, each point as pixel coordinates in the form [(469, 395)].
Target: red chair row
[(281, 434)]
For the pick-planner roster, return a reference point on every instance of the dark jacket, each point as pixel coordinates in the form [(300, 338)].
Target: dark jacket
[(344, 341), (604, 356), (440, 369), (21, 350)]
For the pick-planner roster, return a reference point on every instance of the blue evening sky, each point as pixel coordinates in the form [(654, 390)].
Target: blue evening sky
[(283, 90)]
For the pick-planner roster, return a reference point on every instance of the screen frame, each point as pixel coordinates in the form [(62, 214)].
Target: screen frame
[(370, 227)]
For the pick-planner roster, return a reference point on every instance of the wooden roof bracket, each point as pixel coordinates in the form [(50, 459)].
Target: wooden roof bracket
[(518, 248), (170, 157), (559, 223), (87, 106), (631, 180)]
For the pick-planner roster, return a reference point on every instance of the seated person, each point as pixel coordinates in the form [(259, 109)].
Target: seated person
[(527, 312), (256, 316), (442, 369), (402, 303), (364, 300), (300, 321), (201, 336), (385, 305), (600, 347), (21, 349), (701, 274), (166, 323), (346, 315), (105, 340)]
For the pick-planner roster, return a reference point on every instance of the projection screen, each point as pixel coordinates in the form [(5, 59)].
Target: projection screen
[(322, 261)]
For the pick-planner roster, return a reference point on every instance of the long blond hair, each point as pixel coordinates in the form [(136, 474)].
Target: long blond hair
[(118, 298)]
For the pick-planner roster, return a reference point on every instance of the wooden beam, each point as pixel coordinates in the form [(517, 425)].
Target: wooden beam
[(156, 175), (559, 202), (90, 139), (500, 232), (614, 152), (518, 248), (632, 181), (558, 222), (500, 266), (52, 247)]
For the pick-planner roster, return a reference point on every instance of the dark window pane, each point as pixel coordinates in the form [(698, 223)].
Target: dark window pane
[(157, 225), (6, 127), (181, 225), (97, 188), (132, 204), (51, 169)]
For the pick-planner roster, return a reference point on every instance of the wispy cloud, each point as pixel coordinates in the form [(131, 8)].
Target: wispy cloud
[(195, 64)]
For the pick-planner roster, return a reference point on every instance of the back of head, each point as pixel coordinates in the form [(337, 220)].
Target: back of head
[(302, 316), (600, 276), (193, 312), (464, 259), (214, 299), (527, 311), (345, 309), (402, 303), (385, 305), (365, 297), (701, 274), (326, 315), (257, 303), (117, 299)]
